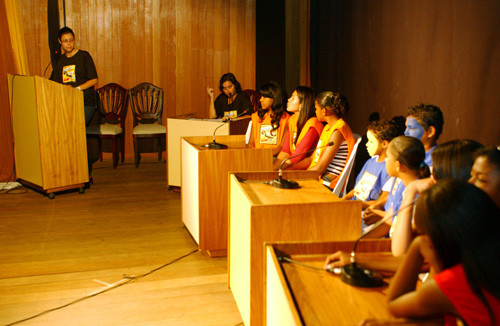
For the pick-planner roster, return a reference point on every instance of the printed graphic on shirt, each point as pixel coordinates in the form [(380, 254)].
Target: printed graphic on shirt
[(395, 186), (68, 74), (268, 135), (365, 186), (230, 113)]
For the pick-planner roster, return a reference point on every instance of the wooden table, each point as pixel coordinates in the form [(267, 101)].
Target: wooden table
[(190, 127), (204, 195), (260, 213), (298, 295)]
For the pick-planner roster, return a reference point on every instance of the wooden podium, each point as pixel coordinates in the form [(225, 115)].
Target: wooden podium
[(50, 146), (204, 194), (260, 213), (178, 128)]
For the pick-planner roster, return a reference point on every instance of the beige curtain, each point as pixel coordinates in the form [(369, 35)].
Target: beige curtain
[(17, 36)]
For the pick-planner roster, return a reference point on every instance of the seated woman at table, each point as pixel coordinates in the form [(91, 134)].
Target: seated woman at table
[(485, 173), (452, 159), (303, 130), (231, 102), (459, 227), (331, 160), (270, 122)]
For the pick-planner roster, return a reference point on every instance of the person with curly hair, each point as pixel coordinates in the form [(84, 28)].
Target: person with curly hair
[(231, 102), (331, 160)]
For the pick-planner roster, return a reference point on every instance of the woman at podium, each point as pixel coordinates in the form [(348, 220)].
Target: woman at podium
[(76, 68), (231, 102)]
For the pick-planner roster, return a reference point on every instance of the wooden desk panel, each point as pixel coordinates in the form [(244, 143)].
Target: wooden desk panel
[(303, 296), (204, 194), (260, 213), (178, 128)]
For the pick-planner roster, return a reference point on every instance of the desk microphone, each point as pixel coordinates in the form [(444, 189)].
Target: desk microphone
[(213, 144), (355, 274), (290, 184)]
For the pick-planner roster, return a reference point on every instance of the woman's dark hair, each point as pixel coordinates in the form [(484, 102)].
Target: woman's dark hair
[(229, 77), (462, 223), (307, 110), (410, 152), (333, 102), (454, 159), (492, 154), (65, 30), (273, 90), (385, 129)]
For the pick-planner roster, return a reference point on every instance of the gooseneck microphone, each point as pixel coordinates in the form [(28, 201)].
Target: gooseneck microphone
[(290, 184), (215, 145), (357, 275)]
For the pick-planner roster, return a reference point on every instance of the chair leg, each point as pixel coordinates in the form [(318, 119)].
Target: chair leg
[(115, 153), (159, 149), (122, 145), (100, 148), (136, 153)]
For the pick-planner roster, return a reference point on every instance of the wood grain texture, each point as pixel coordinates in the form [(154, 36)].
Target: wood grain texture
[(322, 298), (56, 251), (61, 125), (180, 46), (260, 213), (212, 184)]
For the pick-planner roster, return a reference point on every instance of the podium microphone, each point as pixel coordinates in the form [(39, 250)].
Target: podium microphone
[(213, 144), (355, 274), (290, 184)]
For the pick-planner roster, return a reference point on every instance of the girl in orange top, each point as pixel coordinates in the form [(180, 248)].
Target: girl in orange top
[(270, 122), (331, 160), (303, 130)]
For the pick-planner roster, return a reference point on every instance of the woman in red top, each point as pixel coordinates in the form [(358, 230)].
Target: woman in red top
[(303, 130), (270, 122), (459, 224)]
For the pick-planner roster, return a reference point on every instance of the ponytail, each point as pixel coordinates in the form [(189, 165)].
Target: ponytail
[(423, 171)]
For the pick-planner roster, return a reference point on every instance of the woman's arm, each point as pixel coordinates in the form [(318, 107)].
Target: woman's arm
[(283, 155), (277, 149), (403, 227), (88, 84), (211, 107), (428, 300), (329, 152)]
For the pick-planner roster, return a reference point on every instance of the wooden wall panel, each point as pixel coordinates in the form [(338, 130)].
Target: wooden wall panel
[(182, 46), (6, 67), (387, 56)]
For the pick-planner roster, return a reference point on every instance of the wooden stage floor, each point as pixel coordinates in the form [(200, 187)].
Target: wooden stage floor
[(55, 252)]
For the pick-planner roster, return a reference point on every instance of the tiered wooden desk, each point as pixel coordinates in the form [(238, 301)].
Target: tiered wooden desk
[(297, 295), (204, 195), (190, 127), (260, 213), (48, 122)]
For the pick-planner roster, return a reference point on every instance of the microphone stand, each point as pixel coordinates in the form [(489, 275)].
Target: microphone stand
[(215, 145), (357, 275), (290, 184)]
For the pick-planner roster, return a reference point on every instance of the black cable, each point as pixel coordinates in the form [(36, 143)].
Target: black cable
[(128, 279), (289, 260)]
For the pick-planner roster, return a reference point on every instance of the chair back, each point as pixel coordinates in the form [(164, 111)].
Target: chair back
[(254, 98), (146, 103), (341, 185), (112, 101)]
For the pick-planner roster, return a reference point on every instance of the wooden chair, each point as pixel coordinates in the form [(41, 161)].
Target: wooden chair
[(254, 97), (146, 104), (112, 104)]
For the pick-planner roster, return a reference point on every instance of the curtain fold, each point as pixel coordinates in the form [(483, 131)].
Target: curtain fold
[(17, 36)]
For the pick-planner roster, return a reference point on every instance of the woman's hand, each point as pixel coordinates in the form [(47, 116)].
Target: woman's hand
[(210, 92), (337, 259)]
